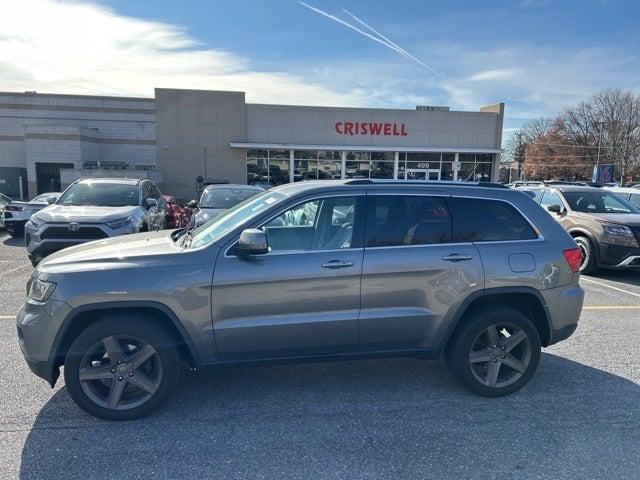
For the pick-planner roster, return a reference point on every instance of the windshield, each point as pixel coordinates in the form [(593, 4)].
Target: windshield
[(4, 200), (599, 202), (100, 194), (225, 197), (227, 221)]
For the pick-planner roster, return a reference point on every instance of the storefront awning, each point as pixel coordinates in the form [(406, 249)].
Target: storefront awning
[(369, 148)]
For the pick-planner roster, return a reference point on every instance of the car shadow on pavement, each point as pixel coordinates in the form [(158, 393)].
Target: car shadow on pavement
[(10, 241), (390, 418)]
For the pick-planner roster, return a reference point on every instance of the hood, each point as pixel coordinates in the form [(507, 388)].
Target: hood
[(206, 214), (630, 219), (83, 214), (127, 250), (33, 206)]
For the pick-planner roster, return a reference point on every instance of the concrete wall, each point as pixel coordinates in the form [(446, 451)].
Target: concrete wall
[(317, 126), (109, 128), (187, 122)]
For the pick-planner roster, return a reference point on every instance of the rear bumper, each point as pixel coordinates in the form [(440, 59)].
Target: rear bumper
[(564, 305)]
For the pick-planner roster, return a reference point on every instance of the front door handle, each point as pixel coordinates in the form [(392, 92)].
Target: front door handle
[(337, 264), (456, 257)]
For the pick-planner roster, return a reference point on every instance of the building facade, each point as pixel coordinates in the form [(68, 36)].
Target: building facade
[(185, 137)]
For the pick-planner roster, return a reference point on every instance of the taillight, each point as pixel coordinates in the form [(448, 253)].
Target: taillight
[(573, 256), (13, 208)]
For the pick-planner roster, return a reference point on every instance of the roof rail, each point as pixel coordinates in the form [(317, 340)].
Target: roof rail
[(437, 183)]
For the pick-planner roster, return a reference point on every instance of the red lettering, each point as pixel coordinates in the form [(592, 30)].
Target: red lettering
[(403, 131), (363, 128), (375, 128), (357, 128), (387, 129), (339, 128), (348, 128), (395, 129)]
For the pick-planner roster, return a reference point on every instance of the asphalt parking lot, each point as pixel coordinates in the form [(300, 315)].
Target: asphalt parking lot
[(578, 418)]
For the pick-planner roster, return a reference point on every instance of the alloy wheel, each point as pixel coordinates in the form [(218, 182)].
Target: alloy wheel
[(500, 355), (120, 372)]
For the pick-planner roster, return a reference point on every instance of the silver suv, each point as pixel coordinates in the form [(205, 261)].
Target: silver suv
[(310, 270), (92, 209)]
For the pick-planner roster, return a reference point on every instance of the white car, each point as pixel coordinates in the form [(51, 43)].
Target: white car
[(16, 214), (630, 194)]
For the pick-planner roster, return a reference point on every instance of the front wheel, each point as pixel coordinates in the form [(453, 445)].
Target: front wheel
[(495, 352), (588, 262), (121, 368)]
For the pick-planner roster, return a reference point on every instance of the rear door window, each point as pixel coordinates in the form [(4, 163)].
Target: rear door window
[(400, 220), (634, 198), (535, 194), (493, 221)]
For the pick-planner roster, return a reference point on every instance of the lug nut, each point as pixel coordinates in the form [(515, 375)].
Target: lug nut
[(131, 374), (120, 378), (113, 370), (503, 356)]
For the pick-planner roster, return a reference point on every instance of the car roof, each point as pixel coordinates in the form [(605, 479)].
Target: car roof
[(622, 189), (219, 186), (123, 181)]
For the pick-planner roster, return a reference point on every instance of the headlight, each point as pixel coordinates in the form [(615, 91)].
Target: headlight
[(120, 222), (619, 235), (35, 221), (39, 290)]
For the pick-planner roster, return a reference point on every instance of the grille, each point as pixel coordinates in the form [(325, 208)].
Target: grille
[(636, 231), (83, 233)]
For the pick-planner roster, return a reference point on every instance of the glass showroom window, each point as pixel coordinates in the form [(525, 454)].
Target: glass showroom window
[(484, 162), (316, 165), (381, 165), (446, 169), (358, 165), (267, 166)]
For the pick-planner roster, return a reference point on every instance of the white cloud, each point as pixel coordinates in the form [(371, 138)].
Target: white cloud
[(78, 47), (493, 75)]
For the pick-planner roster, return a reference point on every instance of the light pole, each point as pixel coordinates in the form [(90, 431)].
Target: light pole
[(599, 143)]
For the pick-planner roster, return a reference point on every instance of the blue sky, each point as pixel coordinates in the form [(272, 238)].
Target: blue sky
[(538, 56)]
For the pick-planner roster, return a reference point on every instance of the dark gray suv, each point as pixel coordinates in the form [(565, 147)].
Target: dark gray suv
[(311, 270)]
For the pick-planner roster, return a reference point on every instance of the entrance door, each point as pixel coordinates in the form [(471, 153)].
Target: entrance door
[(423, 174), (48, 176)]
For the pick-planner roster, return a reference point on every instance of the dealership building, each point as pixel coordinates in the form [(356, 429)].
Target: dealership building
[(182, 138)]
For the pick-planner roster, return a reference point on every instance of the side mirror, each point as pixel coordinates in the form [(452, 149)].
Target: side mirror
[(193, 204), (150, 203), (555, 208), (252, 242), (50, 200)]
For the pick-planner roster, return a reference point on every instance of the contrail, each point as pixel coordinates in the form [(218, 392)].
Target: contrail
[(381, 39), (353, 27), (402, 50)]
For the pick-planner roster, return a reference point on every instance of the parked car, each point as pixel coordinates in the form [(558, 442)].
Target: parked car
[(217, 198), (177, 215), (94, 209), (382, 268), (16, 214), (605, 225), (4, 201), (632, 195)]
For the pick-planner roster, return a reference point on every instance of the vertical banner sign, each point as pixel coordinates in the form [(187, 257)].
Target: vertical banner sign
[(603, 173)]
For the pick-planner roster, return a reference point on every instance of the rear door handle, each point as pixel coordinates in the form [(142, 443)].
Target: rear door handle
[(456, 257), (337, 264)]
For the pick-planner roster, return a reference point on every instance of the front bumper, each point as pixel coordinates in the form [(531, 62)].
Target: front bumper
[(38, 325), (40, 243), (618, 257)]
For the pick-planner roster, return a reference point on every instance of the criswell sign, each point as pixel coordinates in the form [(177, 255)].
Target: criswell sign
[(371, 128)]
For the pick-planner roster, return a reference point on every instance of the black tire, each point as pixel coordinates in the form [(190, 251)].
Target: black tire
[(589, 263), (165, 366), (17, 231), (472, 330)]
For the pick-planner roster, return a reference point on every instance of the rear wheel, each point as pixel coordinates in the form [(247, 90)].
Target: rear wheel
[(121, 369), (495, 351), (588, 263)]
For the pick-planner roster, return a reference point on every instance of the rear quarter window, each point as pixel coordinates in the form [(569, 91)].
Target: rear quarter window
[(493, 221)]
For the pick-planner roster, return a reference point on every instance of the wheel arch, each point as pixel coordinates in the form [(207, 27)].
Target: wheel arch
[(526, 300), (79, 318)]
